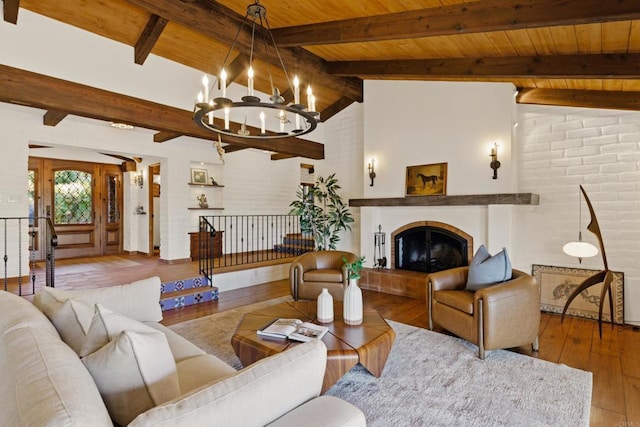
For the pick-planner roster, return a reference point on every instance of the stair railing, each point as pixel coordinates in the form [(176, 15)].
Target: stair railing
[(22, 232), (231, 240)]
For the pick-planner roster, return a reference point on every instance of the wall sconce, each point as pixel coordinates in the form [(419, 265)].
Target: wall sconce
[(138, 179), (495, 164), (372, 171)]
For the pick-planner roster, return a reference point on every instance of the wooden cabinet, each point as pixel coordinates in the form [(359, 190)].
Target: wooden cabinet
[(216, 244)]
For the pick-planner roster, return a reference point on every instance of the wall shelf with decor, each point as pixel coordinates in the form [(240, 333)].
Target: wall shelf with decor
[(206, 191), (206, 209), (204, 185)]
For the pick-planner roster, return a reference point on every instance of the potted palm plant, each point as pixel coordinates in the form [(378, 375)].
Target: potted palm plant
[(323, 214)]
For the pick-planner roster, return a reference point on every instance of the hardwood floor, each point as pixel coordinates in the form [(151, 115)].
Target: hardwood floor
[(614, 360)]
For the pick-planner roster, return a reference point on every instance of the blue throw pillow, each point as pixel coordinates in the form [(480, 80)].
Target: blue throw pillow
[(486, 270)]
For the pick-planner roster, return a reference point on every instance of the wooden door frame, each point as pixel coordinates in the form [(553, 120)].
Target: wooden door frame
[(151, 172), (45, 167)]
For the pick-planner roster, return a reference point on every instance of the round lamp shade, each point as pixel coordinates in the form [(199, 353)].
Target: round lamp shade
[(580, 249)]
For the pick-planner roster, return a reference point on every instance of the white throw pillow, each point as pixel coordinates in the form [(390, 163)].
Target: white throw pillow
[(134, 373), (71, 319), (139, 300), (105, 326)]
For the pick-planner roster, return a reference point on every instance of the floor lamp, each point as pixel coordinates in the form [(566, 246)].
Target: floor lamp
[(604, 276)]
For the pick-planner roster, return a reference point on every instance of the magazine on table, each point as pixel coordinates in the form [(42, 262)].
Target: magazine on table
[(293, 329)]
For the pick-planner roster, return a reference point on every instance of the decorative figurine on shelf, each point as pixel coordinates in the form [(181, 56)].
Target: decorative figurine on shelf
[(202, 199), (213, 181)]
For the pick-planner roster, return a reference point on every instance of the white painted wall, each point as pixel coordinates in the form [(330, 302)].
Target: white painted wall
[(415, 123)]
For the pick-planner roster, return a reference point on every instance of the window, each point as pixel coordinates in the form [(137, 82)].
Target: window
[(31, 191), (112, 199), (72, 200)]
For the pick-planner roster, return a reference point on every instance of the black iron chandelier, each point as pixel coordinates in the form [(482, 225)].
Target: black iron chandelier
[(215, 112)]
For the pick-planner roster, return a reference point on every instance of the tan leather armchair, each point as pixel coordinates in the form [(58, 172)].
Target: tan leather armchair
[(312, 271), (499, 316)]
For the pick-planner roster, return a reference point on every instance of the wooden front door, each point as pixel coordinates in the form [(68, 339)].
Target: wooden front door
[(84, 201)]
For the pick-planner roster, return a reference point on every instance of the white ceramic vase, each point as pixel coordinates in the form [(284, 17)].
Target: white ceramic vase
[(352, 304), (325, 307)]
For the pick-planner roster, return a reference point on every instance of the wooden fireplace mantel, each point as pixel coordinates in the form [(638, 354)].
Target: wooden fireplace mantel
[(458, 200)]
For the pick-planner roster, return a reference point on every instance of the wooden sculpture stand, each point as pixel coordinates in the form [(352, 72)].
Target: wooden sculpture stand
[(605, 276)]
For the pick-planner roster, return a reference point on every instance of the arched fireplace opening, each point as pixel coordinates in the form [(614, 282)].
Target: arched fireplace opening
[(429, 246)]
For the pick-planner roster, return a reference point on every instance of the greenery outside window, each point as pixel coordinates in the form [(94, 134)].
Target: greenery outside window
[(73, 198), (31, 192)]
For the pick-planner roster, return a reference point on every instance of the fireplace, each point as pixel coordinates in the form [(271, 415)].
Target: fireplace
[(429, 246)]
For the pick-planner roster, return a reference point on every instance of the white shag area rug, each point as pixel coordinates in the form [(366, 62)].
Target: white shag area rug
[(431, 379)]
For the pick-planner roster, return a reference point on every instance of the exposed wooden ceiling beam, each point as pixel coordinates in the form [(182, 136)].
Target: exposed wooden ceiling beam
[(462, 18), (335, 108), (230, 148), (580, 98), (53, 117), (236, 67), (280, 156), (10, 10), (221, 23), (40, 91), (560, 66), (149, 38), (165, 136), (128, 166)]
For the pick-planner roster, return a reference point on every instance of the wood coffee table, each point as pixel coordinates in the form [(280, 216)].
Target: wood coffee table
[(368, 343)]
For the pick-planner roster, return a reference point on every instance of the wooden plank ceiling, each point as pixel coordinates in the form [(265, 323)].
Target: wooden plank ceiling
[(556, 52)]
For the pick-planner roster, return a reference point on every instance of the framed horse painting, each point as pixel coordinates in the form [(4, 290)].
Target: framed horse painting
[(427, 180)]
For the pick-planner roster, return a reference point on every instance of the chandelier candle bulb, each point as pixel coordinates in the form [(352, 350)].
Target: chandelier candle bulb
[(205, 84), (223, 82), (226, 118), (250, 82), (296, 90), (262, 123)]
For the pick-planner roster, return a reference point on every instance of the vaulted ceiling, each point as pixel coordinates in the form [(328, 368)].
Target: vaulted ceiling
[(556, 52)]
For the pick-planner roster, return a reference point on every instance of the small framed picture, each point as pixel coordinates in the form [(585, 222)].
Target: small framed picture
[(427, 180), (199, 176)]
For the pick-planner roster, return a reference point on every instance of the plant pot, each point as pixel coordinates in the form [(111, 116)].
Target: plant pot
[(352, 304)]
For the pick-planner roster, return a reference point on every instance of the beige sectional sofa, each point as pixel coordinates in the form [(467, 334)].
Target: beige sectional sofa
[(100, 357)]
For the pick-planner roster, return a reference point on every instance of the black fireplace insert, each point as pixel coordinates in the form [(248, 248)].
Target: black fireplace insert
[(429, 249)]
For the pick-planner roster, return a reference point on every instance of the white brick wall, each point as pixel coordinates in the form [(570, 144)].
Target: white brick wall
[(561, 148)]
